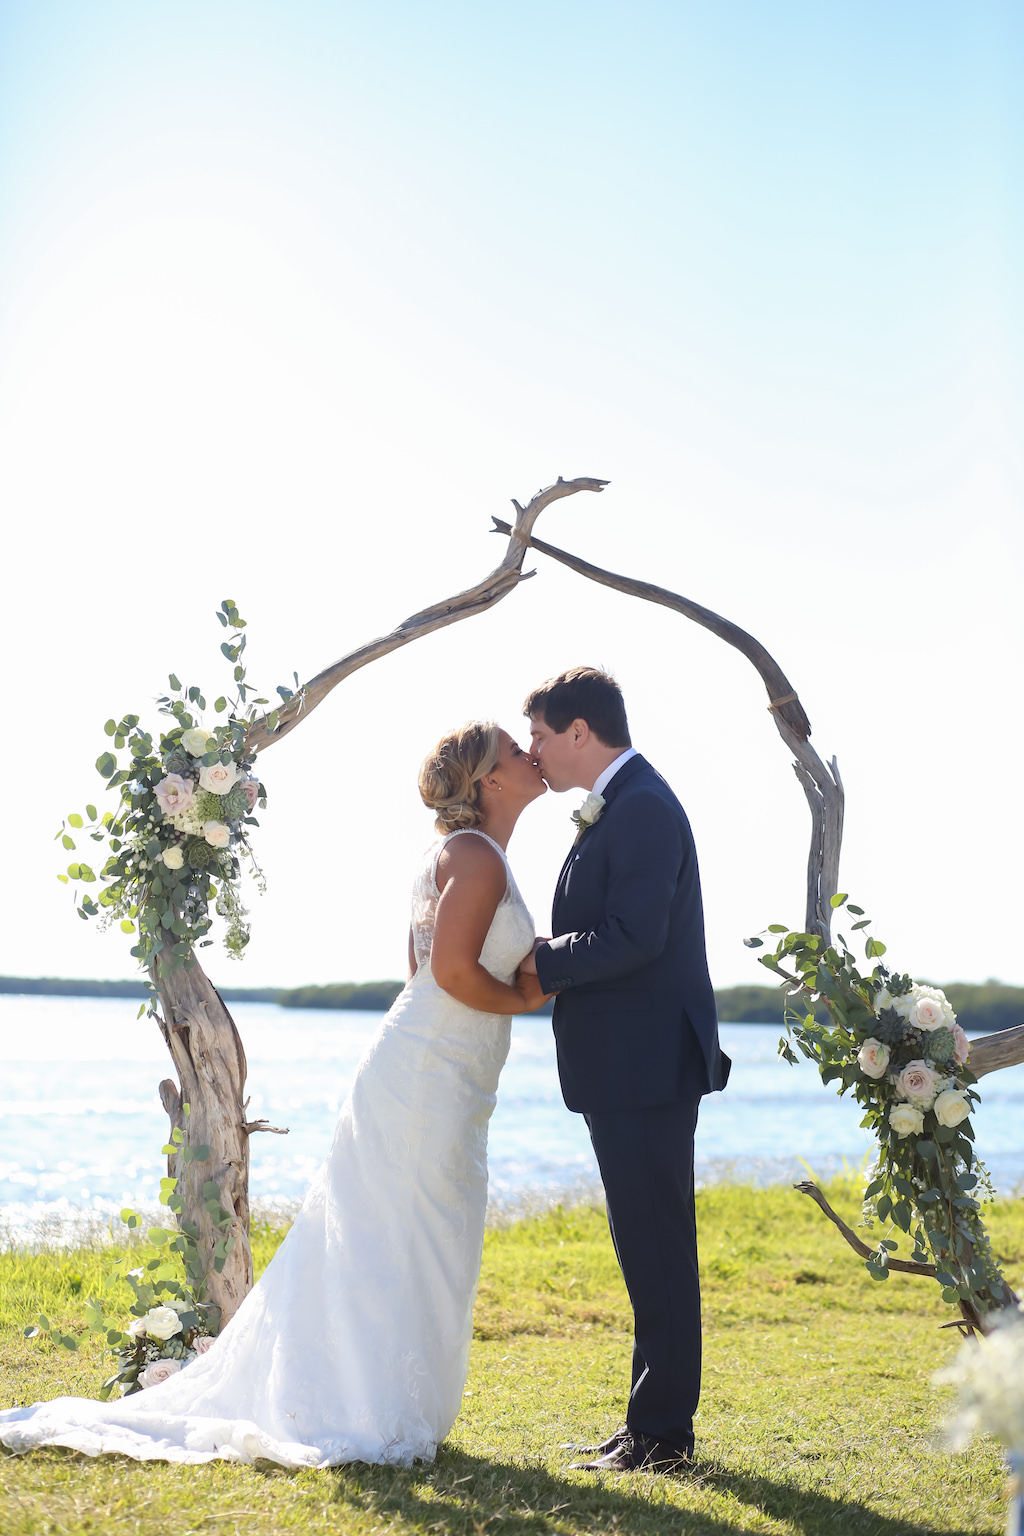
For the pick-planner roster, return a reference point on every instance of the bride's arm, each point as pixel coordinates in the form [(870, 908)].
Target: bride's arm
[(471, 878)]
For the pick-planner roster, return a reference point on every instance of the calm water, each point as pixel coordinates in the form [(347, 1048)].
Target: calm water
[(81, 1125)]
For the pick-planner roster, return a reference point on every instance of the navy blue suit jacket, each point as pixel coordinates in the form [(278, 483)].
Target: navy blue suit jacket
[(634, 1020)]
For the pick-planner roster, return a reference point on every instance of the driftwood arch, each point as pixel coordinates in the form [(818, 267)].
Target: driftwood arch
[(198, 1029)]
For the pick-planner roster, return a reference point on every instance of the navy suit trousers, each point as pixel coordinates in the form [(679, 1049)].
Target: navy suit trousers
[(646, 1162)]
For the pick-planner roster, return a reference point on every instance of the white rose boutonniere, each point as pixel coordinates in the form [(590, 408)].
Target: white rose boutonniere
[(588, 813)]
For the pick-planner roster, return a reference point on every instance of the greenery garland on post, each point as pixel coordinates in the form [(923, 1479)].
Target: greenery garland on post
[(896, 1045)]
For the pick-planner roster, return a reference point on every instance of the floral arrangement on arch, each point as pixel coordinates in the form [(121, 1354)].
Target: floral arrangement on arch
[(896, 1046), (181, 829)]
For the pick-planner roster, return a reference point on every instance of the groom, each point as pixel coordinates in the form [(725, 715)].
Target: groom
[(637, 1038)]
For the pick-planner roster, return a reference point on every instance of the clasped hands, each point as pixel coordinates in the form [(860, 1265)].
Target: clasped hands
[(528, 981)]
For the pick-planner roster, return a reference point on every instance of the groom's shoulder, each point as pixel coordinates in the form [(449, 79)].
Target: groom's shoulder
[(645, 781), (645, 795)]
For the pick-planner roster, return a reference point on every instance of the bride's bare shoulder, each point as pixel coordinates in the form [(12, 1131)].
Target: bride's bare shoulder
[(471, 859)]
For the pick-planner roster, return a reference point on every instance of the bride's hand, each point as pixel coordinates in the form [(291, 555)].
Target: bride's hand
[(534, 996)]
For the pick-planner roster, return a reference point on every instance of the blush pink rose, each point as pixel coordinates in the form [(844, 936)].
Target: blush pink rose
[(202, 1344), (918, 1083), (216, 833), (160, 1370), (927, 1013), (173, 794), (961, 1045), (251, 791), (873, 1058), (218, 777)]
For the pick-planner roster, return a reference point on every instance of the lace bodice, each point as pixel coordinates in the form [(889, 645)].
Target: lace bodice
[(511, 933)]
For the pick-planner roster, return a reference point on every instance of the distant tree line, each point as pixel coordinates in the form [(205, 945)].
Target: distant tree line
[(985, 1007)]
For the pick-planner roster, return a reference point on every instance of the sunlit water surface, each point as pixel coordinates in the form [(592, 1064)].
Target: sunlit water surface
[(81, 1124)]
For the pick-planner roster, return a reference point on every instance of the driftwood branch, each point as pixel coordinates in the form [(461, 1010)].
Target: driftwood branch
[(821, 785), (463, 605), (970, 1320), (905, 1266), (1003, 1049)]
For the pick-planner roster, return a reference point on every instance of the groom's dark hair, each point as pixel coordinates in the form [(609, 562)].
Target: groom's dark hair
[(582, 693)]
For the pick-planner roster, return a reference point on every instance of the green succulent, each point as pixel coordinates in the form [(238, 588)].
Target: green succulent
[(198, 854), (233, 805), (889, 1027), (941, 1047)]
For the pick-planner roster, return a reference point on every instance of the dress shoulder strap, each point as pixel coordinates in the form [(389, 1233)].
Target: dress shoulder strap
[(473, 832)]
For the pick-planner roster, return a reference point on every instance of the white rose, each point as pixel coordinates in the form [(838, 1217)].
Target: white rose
[(137, 1327), (160, 1370), (178, 1304), (173, 857), (162, 1322), (588, 813), (198, 741), (202, 1344), (951, 1107), (873, 1057), (906, 1120), (883, 999), (927, 1013), (218, 777), (216, 833)]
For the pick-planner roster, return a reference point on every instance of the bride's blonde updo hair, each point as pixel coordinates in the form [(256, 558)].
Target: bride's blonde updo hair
[(451, 774)]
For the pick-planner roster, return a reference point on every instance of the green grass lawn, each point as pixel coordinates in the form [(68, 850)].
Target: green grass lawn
[(817, 1414)]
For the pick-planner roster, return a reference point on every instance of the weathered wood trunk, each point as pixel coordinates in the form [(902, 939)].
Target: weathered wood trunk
[(207, 1053)]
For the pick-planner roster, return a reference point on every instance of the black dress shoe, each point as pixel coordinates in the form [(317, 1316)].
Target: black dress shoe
[(597, 1450), (638, 1453)]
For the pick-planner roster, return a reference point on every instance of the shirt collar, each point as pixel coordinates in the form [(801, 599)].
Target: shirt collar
[(604, 779)]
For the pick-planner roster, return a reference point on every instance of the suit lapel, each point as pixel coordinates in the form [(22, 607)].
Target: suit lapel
[(623, 776)]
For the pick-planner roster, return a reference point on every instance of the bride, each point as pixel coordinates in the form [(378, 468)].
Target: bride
[(354, 1344)]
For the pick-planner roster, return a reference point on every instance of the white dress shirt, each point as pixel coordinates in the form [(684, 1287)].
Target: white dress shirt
[(605, 777)]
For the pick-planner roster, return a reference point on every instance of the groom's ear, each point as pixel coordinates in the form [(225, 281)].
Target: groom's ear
[(581, 732)]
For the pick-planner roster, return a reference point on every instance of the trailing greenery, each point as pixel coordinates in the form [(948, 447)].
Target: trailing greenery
[(897, 1047), (817, 1414)]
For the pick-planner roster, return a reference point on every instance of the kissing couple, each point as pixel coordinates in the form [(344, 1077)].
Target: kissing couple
[(354, 1344)]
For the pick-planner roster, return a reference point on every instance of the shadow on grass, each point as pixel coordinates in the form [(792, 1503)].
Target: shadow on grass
[(465, 1495)]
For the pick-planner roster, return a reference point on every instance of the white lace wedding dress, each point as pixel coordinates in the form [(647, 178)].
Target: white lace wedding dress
[(354, 1345)]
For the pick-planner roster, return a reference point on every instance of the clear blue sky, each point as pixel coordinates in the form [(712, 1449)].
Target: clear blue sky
[(293, 297)]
